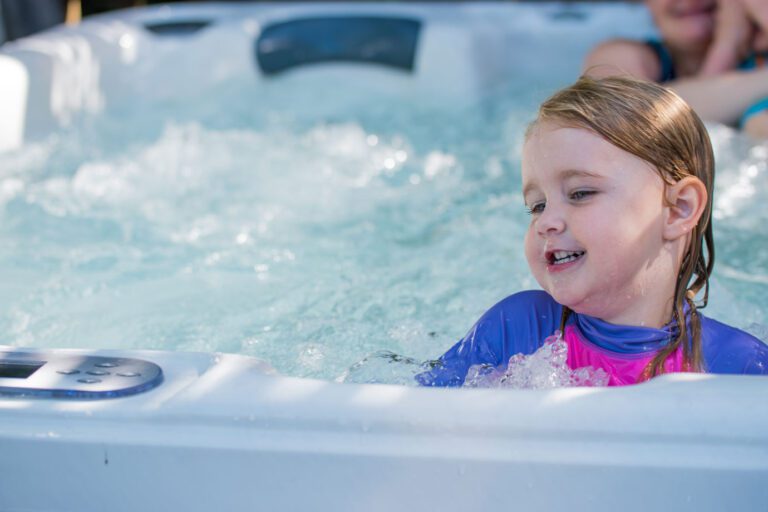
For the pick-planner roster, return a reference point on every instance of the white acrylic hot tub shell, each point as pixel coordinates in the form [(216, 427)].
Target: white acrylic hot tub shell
[(222, 433), (111, 61)]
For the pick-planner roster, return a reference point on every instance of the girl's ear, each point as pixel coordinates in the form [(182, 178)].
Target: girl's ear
[(685, 204)]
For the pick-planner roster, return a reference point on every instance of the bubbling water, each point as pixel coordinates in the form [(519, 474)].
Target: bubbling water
[(546, 368), (325, 245)]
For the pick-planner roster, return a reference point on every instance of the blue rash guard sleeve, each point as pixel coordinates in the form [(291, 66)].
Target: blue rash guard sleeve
[(730, 350), (518, 324)]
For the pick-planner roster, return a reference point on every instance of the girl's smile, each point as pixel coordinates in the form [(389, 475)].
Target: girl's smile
[(596, 239), (560, 260)]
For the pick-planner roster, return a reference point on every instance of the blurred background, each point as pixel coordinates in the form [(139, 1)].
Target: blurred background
[(19, 18)]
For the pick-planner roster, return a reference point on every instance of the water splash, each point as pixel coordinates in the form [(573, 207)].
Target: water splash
[(546, 368), (386, 367)]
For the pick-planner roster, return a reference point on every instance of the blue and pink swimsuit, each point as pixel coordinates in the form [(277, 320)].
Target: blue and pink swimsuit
[(520, 323)]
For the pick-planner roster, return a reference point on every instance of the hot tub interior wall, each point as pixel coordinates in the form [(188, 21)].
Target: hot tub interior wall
[(111, 61)]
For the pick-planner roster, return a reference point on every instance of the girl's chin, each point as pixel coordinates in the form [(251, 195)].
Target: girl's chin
[(579, 302), (568, 298)]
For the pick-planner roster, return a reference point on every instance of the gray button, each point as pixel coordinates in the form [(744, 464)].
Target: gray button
[(106, 364), (89, 381), (68, 372), (129, 374), (97, 372)]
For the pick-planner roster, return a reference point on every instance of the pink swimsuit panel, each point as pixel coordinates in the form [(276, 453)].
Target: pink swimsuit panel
[(622, 369)]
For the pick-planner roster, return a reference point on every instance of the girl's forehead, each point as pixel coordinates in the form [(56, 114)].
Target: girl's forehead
[(553, 144), (554, 150)]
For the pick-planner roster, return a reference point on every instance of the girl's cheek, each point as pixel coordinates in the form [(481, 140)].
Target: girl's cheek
[(529, 245)]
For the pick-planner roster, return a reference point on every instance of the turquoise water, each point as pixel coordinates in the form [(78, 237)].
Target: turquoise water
[(310, 228)]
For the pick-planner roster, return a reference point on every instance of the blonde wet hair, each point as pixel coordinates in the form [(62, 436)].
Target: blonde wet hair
[(655, 124)]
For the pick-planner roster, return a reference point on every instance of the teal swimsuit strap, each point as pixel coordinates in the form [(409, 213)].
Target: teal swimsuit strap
[(667, 72), (756, 108), (755, 60)]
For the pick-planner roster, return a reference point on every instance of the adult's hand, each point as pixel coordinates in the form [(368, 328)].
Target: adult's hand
[(733, 38), (757, 12)]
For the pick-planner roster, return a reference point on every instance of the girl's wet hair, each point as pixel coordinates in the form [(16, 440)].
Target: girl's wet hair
[(655, 124)]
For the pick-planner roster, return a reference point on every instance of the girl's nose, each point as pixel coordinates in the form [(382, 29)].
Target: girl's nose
[(550, 221)]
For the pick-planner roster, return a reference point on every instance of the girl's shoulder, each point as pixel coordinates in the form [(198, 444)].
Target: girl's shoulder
[(529, 298), (535, 305), (731, 350), (516, 324)]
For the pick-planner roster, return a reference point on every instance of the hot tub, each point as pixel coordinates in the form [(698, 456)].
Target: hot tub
[(233, 418)]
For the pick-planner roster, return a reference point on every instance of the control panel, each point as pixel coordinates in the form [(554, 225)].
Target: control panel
[(58, 374)]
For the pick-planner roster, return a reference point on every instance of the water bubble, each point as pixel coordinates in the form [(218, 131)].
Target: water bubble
[(311, 356), (544, 369)]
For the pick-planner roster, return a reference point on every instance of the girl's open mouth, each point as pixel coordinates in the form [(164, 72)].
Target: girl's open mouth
[(563, 257)]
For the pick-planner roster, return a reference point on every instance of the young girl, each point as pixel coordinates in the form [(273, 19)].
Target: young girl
[(617, 177)]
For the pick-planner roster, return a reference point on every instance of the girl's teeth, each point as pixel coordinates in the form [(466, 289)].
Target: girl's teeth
[(561, 257)]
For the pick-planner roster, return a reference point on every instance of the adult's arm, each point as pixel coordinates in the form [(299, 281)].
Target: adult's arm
[(757, 125), (722, 98)]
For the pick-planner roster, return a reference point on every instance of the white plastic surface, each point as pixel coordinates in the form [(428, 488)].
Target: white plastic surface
[(13, 101), (223, 432)]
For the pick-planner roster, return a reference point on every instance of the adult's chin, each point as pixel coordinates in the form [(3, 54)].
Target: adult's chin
[(690, 33)]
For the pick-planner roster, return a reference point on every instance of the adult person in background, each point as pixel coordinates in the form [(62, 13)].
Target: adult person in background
[(713, 53)]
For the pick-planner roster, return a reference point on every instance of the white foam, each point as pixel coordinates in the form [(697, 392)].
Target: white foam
[(546, 368)]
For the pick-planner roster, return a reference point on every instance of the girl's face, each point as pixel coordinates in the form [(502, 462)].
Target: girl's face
[(687, 24), (595, 241)]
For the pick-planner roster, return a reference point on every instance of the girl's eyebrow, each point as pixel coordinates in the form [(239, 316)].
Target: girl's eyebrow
[(564, 175), (578, 173), (528, 188)]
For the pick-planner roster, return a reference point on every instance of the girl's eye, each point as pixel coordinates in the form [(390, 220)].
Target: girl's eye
[(535, 208), (579, 195)]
